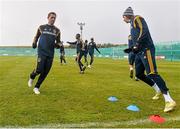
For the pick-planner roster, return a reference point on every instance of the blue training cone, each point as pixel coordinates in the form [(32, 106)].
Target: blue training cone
[(113, 99), (133, 108)]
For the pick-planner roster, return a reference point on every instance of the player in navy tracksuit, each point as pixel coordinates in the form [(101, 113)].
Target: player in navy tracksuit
[(48, 38), (80, 50), (91, 47), (145, 57), (62, 54), (86, 51)]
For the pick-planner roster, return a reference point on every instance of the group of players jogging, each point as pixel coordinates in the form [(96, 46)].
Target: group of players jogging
[(82, 49)]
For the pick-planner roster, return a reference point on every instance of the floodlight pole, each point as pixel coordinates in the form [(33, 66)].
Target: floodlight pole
[(81, 27)]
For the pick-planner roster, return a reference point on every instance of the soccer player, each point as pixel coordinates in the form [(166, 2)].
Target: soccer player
[(48, 38), (80, 50), (62, 54), (131, 58), (91, 47), (145, 57), (86, 51)]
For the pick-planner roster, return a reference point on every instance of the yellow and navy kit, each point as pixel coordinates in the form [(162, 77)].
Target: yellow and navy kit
[(145, 57), (140, 33), (86, 48), (91, 47), (61, 50), (47, 36)]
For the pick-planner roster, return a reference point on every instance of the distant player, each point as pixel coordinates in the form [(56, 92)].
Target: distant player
[(91, 47), (131, 58), (48, 38), (86, 51), (62, 54), (145, 57), (80, 50)]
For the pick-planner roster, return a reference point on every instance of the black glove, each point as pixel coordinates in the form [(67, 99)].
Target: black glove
[(128, 50), (34, 45), (136, 48)]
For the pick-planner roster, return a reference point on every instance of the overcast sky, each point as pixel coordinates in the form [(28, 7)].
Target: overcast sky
[(19, 19)]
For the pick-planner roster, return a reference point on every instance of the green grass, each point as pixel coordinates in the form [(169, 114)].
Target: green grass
[(70, 98)]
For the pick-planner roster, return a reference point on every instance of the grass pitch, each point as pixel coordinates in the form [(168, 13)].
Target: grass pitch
[(69, 99)]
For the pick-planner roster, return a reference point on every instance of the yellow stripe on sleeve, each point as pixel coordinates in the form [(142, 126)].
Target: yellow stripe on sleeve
[(140, 27)]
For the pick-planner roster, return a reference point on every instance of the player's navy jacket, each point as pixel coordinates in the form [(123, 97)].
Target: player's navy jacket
[(140, 33), (91, 47), (130, 42), (48, 36), (61, 49), (86, 48)]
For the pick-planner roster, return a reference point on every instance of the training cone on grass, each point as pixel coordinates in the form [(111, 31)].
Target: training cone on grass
[(113, 99), (157, 119), (133, 108)]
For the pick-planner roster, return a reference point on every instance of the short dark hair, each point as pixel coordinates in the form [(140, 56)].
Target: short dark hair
[(51, 13), (78, 35)]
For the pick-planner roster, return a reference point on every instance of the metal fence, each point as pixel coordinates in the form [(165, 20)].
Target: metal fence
[(164, 50)]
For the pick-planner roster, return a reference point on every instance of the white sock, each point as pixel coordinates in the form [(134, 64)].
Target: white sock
[(167, 97), (156, 88)]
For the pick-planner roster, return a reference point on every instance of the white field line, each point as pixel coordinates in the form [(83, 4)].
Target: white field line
[(96, 124)]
